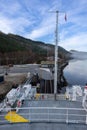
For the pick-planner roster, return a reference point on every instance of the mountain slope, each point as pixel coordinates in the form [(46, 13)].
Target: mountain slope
[(18, 49)]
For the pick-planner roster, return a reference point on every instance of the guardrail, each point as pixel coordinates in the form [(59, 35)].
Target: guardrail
[(49, 114), (43, 96)]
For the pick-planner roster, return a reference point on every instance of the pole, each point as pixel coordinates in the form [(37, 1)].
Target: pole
[(56, 56)]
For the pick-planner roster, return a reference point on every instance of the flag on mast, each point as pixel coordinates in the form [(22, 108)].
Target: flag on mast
[(65, 17)]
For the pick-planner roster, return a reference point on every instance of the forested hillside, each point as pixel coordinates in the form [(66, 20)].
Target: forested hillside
[(15, 49)]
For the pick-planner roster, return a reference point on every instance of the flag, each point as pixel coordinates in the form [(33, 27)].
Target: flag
[(65, 17)]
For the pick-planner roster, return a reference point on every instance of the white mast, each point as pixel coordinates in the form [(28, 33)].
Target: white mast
[(56, 56)]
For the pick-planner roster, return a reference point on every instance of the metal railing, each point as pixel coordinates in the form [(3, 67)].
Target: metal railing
[(50, 114), (43, 96)]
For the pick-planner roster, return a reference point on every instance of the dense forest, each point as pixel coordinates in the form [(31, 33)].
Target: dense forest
[(16, 49)]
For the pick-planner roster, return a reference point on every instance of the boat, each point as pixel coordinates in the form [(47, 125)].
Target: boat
[(31, 106)]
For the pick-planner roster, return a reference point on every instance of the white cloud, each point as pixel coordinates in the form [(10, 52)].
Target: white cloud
[(47, 21), (77, 42), (46, 27), (16, 25), (9, 7), (33, 19), (5, 25)]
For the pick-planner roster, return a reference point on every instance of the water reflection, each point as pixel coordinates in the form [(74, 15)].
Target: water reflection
[(76, 72)]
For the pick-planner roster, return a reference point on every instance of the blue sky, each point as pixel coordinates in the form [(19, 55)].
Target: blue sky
[(33, 19)]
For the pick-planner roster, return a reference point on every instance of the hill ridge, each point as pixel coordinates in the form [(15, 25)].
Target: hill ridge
[(15, 47)]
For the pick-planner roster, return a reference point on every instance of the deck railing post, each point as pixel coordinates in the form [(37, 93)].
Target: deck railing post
[(86, 118), (67, 118), (29, 115), (48, 115), (10, 116)]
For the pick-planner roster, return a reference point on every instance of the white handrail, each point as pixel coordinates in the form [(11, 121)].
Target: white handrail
[(63, 108)]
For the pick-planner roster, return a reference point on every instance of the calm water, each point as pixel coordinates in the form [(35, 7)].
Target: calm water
[(76, 72)]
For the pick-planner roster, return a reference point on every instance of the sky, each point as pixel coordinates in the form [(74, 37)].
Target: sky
[(36, 20)]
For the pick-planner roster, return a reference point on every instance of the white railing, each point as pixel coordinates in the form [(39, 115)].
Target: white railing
[(50, 114), (43, 96)]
